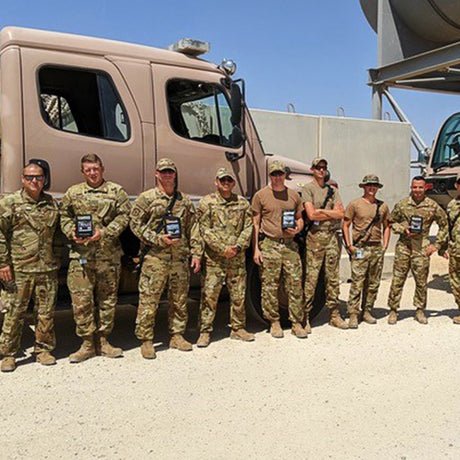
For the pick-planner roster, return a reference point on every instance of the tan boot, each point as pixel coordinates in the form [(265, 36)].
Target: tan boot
[(147, 350), (242, 334), (456, 319), (299, 331), (276, 331), (178, 341), (353, 321), (8, 364), (45, 358), (420, 316), (307, 324), (368, 318), (86, 351), (393, 317), (107, 350), (336, 320), (203, 340)]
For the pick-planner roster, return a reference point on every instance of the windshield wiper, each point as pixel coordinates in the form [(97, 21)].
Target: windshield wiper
[(440, 166)]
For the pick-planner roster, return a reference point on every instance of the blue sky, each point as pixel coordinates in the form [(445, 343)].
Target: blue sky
[(312, 54)]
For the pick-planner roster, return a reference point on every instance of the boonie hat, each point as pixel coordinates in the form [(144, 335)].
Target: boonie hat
[(317, 161), (224, 172), (276, 166), (166, 163), (371, 179)]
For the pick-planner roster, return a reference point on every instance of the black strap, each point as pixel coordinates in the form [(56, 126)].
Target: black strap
[(309, 224), (374, 220), (167, 211)]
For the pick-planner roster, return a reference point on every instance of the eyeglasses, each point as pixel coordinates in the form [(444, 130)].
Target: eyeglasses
[(277, 173), (226, 179), (321, 168), (31, 177)]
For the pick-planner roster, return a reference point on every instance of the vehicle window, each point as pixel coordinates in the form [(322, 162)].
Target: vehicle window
[(82, 102), (448, 144), (200, 111)]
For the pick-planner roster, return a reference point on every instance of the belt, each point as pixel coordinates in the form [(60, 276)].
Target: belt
[(369, 245), (280, 240)]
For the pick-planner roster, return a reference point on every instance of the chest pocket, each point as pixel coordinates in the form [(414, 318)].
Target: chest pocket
[(105, 210)]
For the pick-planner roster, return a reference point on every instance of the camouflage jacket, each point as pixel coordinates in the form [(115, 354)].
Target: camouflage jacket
[(109, 207), (453, 214), (224, 223), (27, 232), (429, 211), (147, 215)]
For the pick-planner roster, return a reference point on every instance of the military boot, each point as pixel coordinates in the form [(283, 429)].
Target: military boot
[(420, 316), (107, 350), (242, 334), (45, 358), (147, 350), (178, 341), (393, 317), (203, 340), (86, 351), (8, 364), (353, 321), (456, 319), (368, 318), (276, 331), (307, 324), (336, 320), (299, 331)]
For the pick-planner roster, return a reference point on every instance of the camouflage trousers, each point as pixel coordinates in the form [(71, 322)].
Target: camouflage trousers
[(322, 249), (419, 264), (281, 260), (232, 272), (42, 288), (156, 273), (454, 276), (94, 290), (365, 279)]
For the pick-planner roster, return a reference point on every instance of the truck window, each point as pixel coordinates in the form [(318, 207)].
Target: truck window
[(200, 111), (448, 144), (82, 102)]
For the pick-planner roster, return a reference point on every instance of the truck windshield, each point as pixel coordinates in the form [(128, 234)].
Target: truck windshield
[(200, 111), (448, 144)]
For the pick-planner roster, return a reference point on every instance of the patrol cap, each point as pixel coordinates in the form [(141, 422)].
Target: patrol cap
[(276, 166), (371, 179), (317, 161), (224, 172), (166, 163)]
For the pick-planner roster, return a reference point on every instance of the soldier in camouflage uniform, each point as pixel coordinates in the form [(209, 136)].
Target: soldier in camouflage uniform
[(275, 250), (411, 219), (166, 258), (369, 218), (94, 268), (28, 263), (324, 210), (225, 225), (452, 241)]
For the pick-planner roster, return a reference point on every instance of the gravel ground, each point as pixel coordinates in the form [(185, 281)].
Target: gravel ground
[(377, 392)]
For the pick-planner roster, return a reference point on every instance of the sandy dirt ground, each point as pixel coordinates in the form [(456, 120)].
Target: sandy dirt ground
[(377, 392)]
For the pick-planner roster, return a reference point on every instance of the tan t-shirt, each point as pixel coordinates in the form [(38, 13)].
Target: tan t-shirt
[(361, 213), (270, 205), (315, 194)]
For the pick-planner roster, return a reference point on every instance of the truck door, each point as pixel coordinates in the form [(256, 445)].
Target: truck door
[(193, 128), (74, 105)]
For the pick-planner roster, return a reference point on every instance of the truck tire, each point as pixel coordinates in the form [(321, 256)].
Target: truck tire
[(253, 297)]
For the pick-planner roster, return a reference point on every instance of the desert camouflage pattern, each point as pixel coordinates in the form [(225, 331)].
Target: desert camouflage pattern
[(410, 251), (281, 260), (365, 279), (163, 263), (322, 249), (42, 288), (453, 212), (223, 223), (27, 232), (93, 288), (109, 207)]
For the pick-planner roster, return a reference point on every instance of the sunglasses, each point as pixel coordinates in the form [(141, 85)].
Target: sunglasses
[(277, 173), (226, 179), (321, 168), (31, 177)]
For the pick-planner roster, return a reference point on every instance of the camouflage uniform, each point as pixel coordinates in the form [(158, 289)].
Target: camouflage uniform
[(163, 263), (453, 211), (224, 223), (410, 251), (94, 268), (27, 235)]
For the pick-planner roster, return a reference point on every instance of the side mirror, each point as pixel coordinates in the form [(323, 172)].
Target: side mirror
[(236, 138), (236, 104)]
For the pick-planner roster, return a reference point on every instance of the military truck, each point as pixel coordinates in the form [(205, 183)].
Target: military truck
[(65, 95)]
